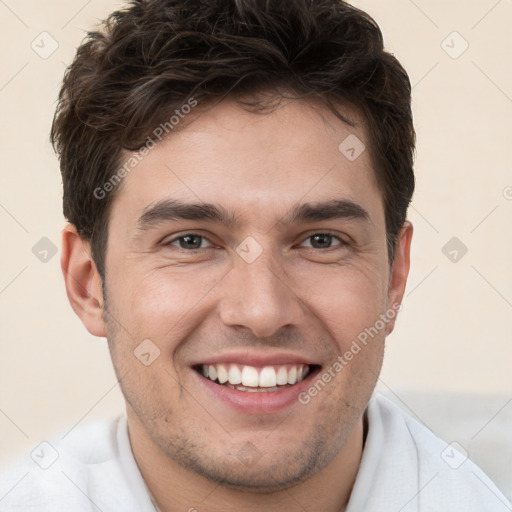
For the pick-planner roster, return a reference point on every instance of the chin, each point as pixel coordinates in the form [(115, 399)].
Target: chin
[(243, 466)]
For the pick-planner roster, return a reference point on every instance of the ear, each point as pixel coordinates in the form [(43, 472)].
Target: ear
[(399, 271), (83, 282)]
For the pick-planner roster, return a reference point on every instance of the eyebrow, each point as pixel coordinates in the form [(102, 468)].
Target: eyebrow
[(173, 209), (334, 209)]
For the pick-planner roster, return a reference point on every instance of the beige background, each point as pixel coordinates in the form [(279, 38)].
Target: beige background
[(453, 335)]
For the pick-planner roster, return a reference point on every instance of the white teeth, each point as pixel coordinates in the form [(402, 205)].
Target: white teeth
[(282, 376), (222, 373), (212, 372), (268, 377), (292, 375), (234, 375), (251, 377)]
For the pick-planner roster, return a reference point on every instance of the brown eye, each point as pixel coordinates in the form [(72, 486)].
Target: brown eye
[(323, 241)]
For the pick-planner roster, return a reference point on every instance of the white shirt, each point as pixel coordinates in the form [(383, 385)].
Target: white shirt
[(404, 468)]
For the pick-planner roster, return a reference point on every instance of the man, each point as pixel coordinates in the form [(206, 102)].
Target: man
[(236, 180)]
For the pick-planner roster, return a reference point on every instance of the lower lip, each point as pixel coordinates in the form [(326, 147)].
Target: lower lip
[(259, 402)]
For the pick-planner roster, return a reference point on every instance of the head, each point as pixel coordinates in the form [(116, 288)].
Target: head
[(236, 178)]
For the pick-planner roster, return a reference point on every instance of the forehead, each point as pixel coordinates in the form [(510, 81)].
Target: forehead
[(256, 162)]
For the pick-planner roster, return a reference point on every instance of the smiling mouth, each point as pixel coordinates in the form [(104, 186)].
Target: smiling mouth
[(256, 379)]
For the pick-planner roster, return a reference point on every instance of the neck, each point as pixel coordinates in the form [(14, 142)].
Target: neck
[(176, 489)]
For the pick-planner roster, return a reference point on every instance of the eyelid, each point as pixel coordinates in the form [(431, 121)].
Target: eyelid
[(336, 235), (177, 237)]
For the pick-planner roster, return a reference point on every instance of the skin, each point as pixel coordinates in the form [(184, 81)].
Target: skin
[(295, 297)]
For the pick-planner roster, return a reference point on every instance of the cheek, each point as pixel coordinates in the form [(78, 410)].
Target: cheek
[(164, 304), (345, 300)]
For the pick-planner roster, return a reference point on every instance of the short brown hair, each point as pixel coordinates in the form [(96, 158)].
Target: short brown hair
[(148, 59)]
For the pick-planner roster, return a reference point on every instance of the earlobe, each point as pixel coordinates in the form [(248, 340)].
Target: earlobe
[(82, 280), (399, 272)]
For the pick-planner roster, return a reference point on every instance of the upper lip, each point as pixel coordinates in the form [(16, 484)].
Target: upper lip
[(255, 359)]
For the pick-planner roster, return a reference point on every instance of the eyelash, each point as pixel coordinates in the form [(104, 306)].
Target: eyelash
[(342, 243)]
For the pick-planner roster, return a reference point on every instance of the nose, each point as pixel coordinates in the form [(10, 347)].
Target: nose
[(259, 297)]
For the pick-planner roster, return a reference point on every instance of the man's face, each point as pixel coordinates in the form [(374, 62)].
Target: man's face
[(263, 287)]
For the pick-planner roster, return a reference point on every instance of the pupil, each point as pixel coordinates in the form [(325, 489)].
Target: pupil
[(191, 241), (322, 240)]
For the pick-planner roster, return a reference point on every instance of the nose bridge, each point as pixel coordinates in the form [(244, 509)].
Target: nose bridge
[(256, 294)]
